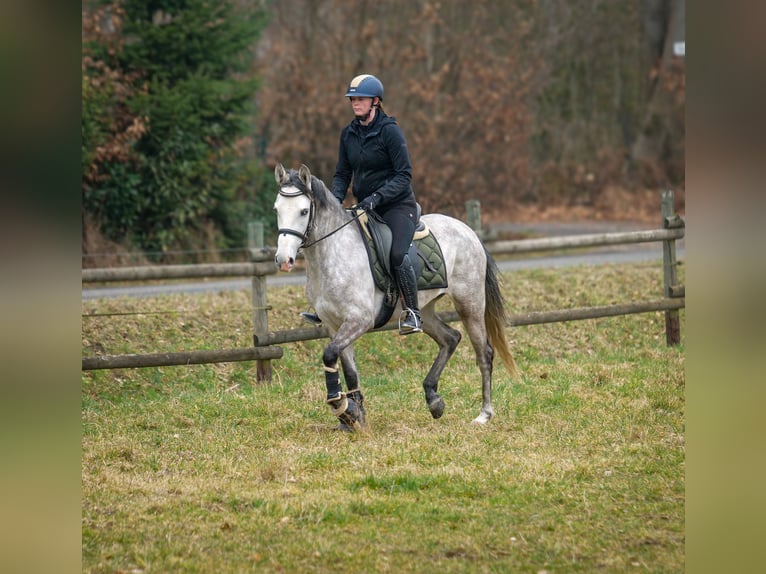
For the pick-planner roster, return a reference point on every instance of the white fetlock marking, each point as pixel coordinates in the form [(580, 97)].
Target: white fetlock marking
[(482, 419), (331, 369)]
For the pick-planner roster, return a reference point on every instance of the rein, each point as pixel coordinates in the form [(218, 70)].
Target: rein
[(302, 236), (354, 218)]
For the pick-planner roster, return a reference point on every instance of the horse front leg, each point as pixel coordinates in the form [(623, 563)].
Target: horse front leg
[(348, 407), (353, 390)]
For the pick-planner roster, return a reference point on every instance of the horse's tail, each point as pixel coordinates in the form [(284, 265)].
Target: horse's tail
[(495, 317)]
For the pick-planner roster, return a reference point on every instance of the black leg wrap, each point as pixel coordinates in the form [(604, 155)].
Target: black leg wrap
[(330, 360), (332, 381)]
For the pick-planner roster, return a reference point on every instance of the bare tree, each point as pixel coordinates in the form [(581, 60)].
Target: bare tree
[(661, 137), (504, 101), (452, 78)]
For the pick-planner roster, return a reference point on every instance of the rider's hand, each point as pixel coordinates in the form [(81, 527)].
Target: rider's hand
[(369, 202)]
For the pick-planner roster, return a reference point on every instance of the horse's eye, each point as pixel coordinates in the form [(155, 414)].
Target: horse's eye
[(304, 212)]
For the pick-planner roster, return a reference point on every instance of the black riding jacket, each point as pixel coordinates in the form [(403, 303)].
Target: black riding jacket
[(377, 159)]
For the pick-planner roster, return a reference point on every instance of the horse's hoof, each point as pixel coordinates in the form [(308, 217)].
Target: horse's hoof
[(361, 414), (436, 407), (481, 420), (353, 417), (362, 417), (349, 424), (343, 427), (350, 414)]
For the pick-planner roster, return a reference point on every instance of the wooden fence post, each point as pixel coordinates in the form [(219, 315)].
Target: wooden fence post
[(670, 278), (473, 215), (260, 316)]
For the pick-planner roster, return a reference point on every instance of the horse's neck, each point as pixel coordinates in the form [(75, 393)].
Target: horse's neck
[(338, 246), (328, 221), (339, 281)]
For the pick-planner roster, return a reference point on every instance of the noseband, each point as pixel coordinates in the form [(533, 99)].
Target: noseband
[(303, 236)]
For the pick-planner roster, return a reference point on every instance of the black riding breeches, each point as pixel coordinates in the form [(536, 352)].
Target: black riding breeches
[(401, 220)]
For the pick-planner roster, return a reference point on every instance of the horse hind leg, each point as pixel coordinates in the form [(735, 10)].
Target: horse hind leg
[(485, 355), (447, 339), (485, 367)]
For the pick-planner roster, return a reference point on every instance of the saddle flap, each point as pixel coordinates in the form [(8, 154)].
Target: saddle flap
[(380, 234), (425, 254)]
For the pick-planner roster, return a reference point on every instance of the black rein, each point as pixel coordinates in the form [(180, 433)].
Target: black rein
[(302, 236)]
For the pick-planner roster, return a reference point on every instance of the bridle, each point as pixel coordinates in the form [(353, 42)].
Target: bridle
[(303, 236), (287, 230)]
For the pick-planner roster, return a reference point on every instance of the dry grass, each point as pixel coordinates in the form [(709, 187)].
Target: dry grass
[(197, 469)]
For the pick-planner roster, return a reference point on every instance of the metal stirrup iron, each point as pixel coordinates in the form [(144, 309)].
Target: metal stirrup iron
[(411, 323)]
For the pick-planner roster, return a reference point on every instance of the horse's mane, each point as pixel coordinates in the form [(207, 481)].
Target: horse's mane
[(323, 195), (319, 190)]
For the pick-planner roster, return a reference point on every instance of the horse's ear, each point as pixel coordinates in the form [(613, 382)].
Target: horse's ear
[(305, 174), (280, 174)]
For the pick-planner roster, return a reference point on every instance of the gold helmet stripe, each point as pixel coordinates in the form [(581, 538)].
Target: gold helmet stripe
[(358, 80)]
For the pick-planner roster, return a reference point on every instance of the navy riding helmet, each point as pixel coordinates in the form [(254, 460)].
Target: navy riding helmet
[(365, 86)]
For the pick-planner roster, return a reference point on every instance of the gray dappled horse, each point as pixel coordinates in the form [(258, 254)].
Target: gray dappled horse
[(341, 288)]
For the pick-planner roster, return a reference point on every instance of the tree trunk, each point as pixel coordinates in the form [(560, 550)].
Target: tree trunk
[(663, 24)]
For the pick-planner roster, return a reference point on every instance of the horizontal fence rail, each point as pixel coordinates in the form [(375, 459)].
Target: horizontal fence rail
[(265, 266), (516, 320), (262, 264), (180, 358), (580, 241)]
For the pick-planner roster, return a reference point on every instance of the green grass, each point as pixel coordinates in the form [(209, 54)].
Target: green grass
[(200, 469)]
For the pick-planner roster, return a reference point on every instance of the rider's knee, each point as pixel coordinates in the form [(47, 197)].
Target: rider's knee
[(397, 259)]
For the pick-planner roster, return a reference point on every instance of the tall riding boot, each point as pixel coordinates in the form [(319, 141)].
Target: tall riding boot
[(408, 287)]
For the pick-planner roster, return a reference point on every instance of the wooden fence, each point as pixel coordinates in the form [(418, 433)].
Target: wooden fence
[(262, 264)]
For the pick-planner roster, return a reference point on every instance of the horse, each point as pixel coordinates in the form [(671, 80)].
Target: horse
[(341, 288)]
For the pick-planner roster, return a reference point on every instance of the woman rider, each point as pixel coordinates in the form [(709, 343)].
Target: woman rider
[(373, 153)]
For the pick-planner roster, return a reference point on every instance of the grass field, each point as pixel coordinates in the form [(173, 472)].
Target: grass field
[(200, 469)]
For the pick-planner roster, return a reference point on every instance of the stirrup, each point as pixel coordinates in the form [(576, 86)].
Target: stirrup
[(411, 323), (312, 318)]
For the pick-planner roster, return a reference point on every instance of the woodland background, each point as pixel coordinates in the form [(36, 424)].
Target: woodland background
[(538, 108)]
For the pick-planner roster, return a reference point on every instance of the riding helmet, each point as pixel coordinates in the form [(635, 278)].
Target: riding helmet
[(365, 86)]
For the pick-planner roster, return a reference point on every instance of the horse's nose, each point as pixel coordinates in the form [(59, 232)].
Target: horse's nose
[(286, 264)]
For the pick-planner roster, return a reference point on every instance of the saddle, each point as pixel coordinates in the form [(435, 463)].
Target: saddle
[(425, 254)]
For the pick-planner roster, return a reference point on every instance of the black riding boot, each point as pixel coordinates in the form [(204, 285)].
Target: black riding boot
[(408, 287), (312, 318)]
